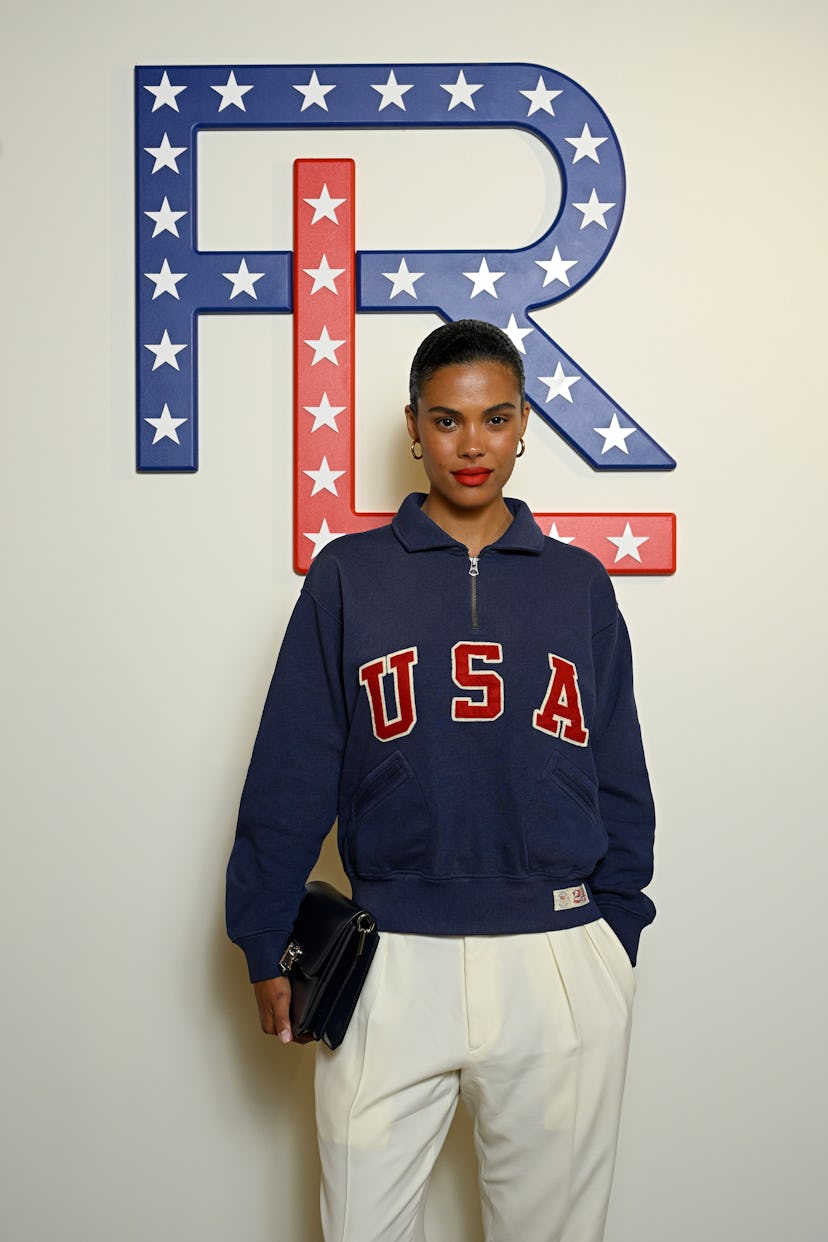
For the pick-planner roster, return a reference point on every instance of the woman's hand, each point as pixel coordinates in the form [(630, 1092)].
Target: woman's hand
[(273, 999)]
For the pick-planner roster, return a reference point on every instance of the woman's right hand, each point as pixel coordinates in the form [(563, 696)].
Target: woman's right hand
[(273, 999)]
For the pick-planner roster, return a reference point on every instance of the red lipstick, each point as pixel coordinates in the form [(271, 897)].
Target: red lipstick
[(471, 476)]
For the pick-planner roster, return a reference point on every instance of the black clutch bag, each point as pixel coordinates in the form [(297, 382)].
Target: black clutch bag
[(331, 947)]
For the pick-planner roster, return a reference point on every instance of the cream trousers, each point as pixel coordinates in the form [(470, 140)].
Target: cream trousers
[(531, 1031)]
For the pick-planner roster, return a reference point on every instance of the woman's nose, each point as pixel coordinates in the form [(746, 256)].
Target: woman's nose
[(471, 444)]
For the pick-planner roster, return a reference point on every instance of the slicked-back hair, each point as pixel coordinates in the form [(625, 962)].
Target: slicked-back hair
[(458, 344)]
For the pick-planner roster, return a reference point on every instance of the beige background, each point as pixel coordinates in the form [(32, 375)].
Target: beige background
[(142, 614)]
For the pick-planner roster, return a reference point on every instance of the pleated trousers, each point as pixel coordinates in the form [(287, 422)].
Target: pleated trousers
[(531, 1032)]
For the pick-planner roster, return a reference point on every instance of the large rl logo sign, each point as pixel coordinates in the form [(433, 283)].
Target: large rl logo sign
[(324, 281)]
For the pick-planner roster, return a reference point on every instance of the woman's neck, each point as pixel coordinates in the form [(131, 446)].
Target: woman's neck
[(476, 529)]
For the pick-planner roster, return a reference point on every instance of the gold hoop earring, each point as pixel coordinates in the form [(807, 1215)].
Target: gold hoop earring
[(416, 456), (522, 444)]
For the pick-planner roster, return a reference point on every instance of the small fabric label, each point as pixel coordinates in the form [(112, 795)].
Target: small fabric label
[(568, 898)]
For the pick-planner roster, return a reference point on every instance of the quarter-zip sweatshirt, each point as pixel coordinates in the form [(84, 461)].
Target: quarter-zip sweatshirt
[(470, 721)]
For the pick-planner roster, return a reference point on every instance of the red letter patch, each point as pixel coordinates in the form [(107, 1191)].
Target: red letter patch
[(561, 714), (468, 678), (400, 664)]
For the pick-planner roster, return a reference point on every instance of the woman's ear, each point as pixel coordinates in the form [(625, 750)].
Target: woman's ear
[(525, 419), (411, 422)]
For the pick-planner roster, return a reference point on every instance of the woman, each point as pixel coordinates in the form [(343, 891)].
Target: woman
[(457, 688)]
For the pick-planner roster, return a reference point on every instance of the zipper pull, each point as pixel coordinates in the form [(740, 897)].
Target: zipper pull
[(474, 572)]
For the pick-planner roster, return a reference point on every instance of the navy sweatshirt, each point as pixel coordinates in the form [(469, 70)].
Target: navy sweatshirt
[(471, 723)]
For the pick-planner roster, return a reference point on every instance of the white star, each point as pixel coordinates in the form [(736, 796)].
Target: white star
[(231, 93), (517, 334), (402, 281), (585, 145), (165, 281), (627, 544), (324, 348), (392, 92), (166, 426), (165, 93), (461, 91), (559, 384), (322, 537), (553, 534), (165, 219), (594, 211), (314, 93), (165, 352), (243, 280), (324, 414), (483, 280), (324, 479), (324, 276), (165, 155), (556, 268), (541, 98), (615, 435), (324, 207)]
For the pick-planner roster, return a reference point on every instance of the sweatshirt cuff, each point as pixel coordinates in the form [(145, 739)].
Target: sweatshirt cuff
[(627, 927), (263, 952)]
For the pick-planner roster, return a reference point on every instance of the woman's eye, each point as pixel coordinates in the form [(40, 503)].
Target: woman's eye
[(445, 422), (497, 420)]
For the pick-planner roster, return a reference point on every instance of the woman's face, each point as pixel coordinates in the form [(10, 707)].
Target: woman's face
[(469, 421)]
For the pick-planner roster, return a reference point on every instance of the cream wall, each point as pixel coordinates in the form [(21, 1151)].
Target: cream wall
[(143, 614)]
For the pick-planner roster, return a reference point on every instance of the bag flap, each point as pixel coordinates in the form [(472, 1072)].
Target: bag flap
[(325, 918)]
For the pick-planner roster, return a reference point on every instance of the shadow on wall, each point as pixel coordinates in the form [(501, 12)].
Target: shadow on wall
[(275, 1086), (279, 1092)]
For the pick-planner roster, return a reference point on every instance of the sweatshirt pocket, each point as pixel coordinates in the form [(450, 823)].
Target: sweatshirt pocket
[(390, 823), (562, 825)]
